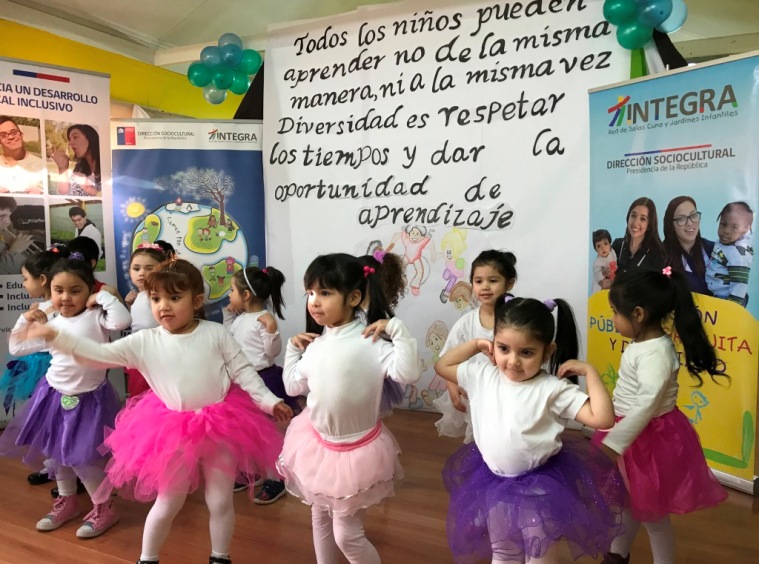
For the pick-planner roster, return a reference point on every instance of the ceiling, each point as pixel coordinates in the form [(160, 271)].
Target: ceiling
[(170, 33)]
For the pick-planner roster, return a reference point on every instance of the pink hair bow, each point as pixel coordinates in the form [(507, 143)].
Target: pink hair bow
[(379, 256), (150, 246), (667, 271)]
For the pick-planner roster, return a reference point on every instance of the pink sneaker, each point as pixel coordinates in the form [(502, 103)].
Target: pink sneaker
[(102, 517), (65, 508)]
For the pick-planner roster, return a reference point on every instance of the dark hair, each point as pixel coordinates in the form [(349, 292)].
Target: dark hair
[(264, 283), (8, 203), (3, 119), (729, 207), (156, 254), (534, 317), (76, 210), (651, 238), (600, 235), (659, 295), (78, 265), (176, 276), (674, 251), (391, 273), (345, 274), (168, 248), (43, 262), (86, 246), (503, 261), (93, 148)]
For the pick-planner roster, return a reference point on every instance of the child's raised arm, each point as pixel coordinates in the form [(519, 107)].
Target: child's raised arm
[(598, 411), (115, 316), (448, 364)]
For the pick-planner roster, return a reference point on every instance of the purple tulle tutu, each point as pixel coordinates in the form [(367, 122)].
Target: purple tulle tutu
[(61, 430), (158, 450), (272, 377), (341, 478), (665, 470), (393, 395), (578, 495)]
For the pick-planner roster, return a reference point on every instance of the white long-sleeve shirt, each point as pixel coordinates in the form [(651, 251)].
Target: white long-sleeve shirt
[(342, 373), (142, 313), (260, 347), (66, 374), (188, 371)]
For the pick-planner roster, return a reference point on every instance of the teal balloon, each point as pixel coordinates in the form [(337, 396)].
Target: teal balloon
[(654, 12), (240, 83), (199, 74), (223, 77), (230, 39), (250, 63), (214, 95), (210, 56), (634, 35), (676, 19), (231, 55), (620, 12)]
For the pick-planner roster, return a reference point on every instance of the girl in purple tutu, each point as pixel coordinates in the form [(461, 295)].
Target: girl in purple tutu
[(661, 457), (338, 457), (197, 420), (256, 330), (63, 422), (520, 488)]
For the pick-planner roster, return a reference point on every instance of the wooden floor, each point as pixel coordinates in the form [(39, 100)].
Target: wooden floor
[(410, 528)]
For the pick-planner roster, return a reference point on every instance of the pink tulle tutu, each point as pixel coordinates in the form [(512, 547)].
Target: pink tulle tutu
[(665, 470), (342, 478), (158, 450)]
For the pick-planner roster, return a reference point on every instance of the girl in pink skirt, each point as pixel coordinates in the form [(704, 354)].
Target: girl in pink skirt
[(661, 457), (338, 457), (197, 420)]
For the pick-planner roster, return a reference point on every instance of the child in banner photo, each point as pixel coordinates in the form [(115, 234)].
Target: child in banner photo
[(660, 454), (338, 457), (63, 423), (255, 329), (520, 488), (145, 258), (730, 262), (493, 273), (605, 265), (197, 420)]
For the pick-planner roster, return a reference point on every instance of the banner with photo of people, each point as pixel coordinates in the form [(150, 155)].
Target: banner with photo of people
[(55, 172), (196, 185), (675, 182)]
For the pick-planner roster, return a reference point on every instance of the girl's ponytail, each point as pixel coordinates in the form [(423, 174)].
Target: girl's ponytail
[(378, 306), (276, 281), (567, 337)]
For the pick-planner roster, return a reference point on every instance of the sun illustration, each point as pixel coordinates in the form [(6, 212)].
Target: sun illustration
[(133, 208)]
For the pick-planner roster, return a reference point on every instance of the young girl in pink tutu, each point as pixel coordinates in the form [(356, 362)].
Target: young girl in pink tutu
[(661, 456), (196, 421), (520, 487), (63, 422), (338, 457)]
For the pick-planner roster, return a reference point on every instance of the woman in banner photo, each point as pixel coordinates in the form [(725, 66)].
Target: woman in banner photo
[(641, 246), (685, 249), (84, 179)]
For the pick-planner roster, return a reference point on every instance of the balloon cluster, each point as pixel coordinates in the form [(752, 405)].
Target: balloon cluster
[(637, 19), (222, 68)]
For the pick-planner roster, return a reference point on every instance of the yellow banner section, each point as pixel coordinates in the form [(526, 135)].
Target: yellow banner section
[(723, 415)]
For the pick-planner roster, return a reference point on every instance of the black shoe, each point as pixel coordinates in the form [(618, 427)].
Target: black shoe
[(218, 560), (270, 492), (147, 562), (614, 558), (38, 478), (239, 487), (79, 489)]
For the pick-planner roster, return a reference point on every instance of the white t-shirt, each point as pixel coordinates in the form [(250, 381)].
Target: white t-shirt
[(466, 328), (260, 347), (517, 425), (647, 388), (342, 373), (28, 173), (142, 313), (66, 374), (93, 233), (188, 372), (598, 265)]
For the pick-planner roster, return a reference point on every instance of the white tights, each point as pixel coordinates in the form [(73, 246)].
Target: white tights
[(220, 503), (550, 557), (65, 478), (344, 534), (660, 535)]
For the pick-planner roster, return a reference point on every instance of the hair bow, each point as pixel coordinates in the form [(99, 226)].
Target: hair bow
[(508, 298), (265, 270), (379, 256), (150, 246), (550, 304), (368, 270), (667, 271), (76, 256)]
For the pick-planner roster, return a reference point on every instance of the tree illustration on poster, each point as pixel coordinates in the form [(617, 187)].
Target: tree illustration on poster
[(203, 183)]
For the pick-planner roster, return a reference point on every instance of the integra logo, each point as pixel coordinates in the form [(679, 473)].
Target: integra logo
[(706, 100), (233, 136)]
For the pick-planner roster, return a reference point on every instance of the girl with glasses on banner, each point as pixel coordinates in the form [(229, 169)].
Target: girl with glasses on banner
[(686, 250)]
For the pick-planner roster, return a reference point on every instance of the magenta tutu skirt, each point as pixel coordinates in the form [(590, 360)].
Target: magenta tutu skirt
[(343, 478), (577, 495), (156, 450), (665, 470)]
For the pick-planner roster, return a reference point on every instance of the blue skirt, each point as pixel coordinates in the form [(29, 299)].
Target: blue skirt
[(21, 377)]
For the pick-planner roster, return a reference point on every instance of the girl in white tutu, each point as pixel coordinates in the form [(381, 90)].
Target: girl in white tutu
[(338, 457)]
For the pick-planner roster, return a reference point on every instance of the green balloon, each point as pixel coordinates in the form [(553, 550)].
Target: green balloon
[(199, 74), (240, 83), (620, 12), (251, 62), (634, 35), (223, 77)]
